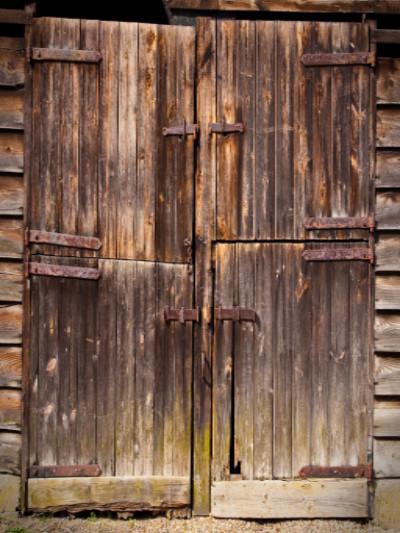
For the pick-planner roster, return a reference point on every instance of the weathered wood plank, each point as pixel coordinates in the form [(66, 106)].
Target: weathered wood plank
[(388, 127), (387, 253), (388, 210), (10, 449), (11, 195), (388, 81), (14, 16), (108, 493), (307, 6), (9, 493), (387, 419), (388, 169), (53, 471), (326, 498), (386, 458), (10, 367), (10, 409), (10, 324), (387, 376), (387, 496), (11, 109), (11, 276), (11, 239), (68, 55), (12, 71), (385, 36), (387, 292), (11, 152), (387, 333)]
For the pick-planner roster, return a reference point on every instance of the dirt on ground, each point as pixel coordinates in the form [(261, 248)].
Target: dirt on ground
[(94, 524)]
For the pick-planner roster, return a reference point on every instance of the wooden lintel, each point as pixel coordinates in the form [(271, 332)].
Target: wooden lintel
[(108, 493), (63, 271), (385, 36), (51, 471), (304, 6), (14, 16), (61, 54), (64, 239), (337, 59)]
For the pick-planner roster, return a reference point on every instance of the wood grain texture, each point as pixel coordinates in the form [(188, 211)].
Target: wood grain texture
[(10, 409), (307, 6), (10, 324), (111, 493), (387, 253), (387, 169), (12, 71), (12, 109), (11, 277), (387, 496), (10, 367), (387, 376), (387, 332), (386, 458), (11, 195), (11, 152), (290, 499), (10, 451), (388, 81), (388, 210), (387, 419), (388, 129), (387, 292)]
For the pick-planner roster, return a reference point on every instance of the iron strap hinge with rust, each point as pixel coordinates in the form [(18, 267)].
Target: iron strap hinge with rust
[(181, 314), (62, 239), (236, 314), (360, 471), (339, 59), (183, 130), (315, 223), (225, 127), (339, 254)]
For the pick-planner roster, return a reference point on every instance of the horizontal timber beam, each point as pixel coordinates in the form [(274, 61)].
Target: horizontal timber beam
[(304, 6), (14, 16), (385, 36), (108, 493)]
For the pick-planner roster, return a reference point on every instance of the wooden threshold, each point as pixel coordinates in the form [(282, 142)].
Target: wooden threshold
[(108, 493), (322, 498)]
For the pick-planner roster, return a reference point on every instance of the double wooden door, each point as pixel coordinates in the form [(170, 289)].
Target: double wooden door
[(197, 326)]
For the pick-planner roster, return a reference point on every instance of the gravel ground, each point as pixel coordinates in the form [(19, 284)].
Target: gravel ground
[(195, 525)]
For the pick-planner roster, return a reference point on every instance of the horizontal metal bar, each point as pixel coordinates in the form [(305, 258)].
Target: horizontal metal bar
[(235, 314), (181, 314), (351, 58), (64, 239), (385, 36), (63, 54), (339, 223), (338, 254), (63, 271), (336, 471), (185, 129), (224, 127), (64, 471)]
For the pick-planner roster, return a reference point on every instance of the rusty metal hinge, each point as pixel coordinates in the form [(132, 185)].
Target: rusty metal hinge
[(181, 314), (364, 471), (338, 59), (339, 254), (183, 130), (63, 239), (236, 314), (63, 271), (224, 127), (64, 471), (314, 223)]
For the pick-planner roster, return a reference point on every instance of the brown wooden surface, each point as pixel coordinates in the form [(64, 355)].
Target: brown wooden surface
[(387, 292), (10, 409), (288, 164), (388, 80), (387, 376), (312, 422), (307, 6), (388, 210), (62, 54), (10, 366), (52, 471), (387, 252), (387, 418), (11, 195), (388, 127), (386, 458), (388, 169), (387, 332), (385, 36), (11, 275), (10, 447), (11, 109), (12, 72), (11, 152)]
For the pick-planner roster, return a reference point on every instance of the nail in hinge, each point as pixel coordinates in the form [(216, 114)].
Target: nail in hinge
[(182, 131), (181, 314), (236, 314), (224, 127)]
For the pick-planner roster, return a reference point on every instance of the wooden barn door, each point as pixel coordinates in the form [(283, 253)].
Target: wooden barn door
[(292, 305), (109, 259)]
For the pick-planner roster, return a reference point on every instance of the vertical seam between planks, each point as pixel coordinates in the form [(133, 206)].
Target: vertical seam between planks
[(275, 121)]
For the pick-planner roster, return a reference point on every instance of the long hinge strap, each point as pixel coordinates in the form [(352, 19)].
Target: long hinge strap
[(63, 239), (225, 127), (339, 254), (63, 271), (182, 130), (312, 223), (326, 60), (236, 314), (181, 314)]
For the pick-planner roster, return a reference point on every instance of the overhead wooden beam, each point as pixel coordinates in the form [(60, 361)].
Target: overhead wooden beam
[(14, 16), (385, 36), (305, 6)]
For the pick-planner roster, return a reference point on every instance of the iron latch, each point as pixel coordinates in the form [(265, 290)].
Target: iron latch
[(183, 130), (225, 127), (236, 314), (181, 314)]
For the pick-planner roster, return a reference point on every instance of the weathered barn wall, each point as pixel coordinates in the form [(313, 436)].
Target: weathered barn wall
[(11, 248)]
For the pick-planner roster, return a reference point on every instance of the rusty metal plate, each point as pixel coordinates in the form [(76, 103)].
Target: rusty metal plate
[(181, 314), (63, 271), (183, 130), (339, 223), (235, 314), (339, 254), (352, 58), (65, 471), (336, 471), (224, 127), (64, 239)]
